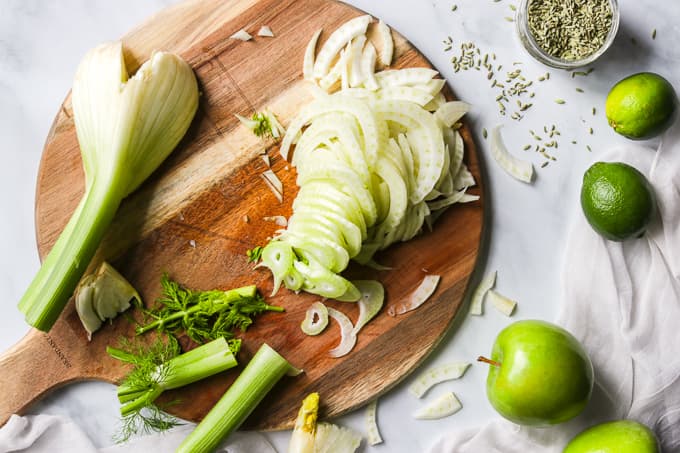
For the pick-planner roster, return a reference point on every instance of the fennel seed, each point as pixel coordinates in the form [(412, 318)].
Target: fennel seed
[(569, 29)]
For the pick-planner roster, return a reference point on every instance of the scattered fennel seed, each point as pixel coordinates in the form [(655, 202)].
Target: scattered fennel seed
[(509, 19), (590, 131), (580, 90), (545, 164), (527, 147), (560, 101), (594, 111), (454, 7), (654, 34), (485, 134), (588, 148)]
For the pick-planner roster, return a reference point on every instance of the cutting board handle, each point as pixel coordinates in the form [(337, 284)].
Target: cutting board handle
[(31, 368)]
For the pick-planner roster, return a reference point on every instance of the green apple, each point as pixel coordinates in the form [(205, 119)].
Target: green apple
[(539, 374), (622, 436)]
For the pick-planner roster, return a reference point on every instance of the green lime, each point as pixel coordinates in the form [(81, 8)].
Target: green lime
[(617, 200), (641, 106)]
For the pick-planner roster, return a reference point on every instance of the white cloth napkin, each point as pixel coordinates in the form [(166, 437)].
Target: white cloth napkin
[(622, 300), (50, 433)]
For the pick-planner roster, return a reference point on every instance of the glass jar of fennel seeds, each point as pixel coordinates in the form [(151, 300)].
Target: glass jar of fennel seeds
[(567, 34)]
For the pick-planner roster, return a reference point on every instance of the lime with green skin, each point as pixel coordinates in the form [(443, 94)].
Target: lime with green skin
[(622, 436), (617, 200), (641, 106)]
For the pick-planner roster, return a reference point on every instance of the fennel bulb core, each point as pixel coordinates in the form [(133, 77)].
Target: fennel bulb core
[(126, 127)]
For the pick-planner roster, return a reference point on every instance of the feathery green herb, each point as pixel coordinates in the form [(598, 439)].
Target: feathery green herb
[(161, 367), (205, 315)]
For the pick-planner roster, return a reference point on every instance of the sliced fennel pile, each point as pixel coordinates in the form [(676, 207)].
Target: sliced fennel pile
[(126, 127), (101, 295), (377, 157)]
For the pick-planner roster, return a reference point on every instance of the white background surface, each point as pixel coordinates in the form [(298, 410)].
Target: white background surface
[(41, 43)]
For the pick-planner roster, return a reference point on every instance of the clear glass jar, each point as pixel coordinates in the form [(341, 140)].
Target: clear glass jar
[(527, 39)]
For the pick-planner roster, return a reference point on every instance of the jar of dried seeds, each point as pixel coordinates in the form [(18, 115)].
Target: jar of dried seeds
[(567, 33)]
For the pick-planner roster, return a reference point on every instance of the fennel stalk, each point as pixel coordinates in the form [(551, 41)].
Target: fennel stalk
[(126, 127)]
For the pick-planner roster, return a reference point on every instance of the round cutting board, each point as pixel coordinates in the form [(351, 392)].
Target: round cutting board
[(205, 206)]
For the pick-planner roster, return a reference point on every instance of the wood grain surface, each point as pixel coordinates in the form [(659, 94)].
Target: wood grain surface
[(188, 220)]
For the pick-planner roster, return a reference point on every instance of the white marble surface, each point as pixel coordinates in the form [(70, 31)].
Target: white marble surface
[(41, 43)]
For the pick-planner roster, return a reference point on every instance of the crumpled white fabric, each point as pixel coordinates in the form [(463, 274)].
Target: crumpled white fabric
[(622, 300), (50, 433)]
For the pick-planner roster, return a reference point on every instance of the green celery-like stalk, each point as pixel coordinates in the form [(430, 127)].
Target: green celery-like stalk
[(227, 297), (67, 261), (126, 127), (265, 369), (199, 363)]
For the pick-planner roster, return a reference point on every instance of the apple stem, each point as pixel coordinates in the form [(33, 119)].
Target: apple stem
[(489, 361)]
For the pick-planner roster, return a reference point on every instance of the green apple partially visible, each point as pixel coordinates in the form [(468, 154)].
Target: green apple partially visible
[(622, 436), (539, 374)]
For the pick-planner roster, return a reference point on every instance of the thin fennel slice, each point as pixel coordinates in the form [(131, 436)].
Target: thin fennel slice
[(371, 301), (242, 35), (308, 62), (316, 319), (407, 76), (418, 297), (433, 376), (372, 430), (451, 112), (501, 303), (485, 285), (348, 337), (517, 168), (265, 31), (387, 49), (272, 178), (368, 58), (339, 39), (445, 405), (334, 439), (356, 74), (273, 187)]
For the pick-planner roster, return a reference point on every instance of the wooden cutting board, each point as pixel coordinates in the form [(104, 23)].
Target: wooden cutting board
[(189, 220)]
